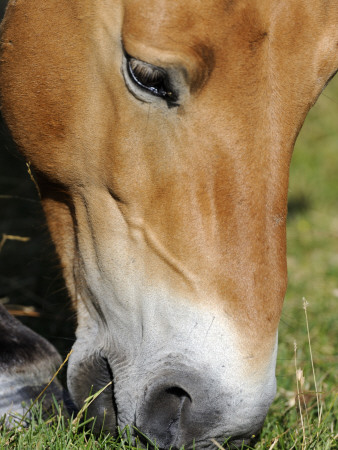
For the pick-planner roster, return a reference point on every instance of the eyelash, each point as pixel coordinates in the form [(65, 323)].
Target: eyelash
[(151, 78)]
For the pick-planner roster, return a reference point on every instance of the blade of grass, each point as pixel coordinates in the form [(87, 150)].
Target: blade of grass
[(10, 237), (320, 409), (88, 401), (298, 398)]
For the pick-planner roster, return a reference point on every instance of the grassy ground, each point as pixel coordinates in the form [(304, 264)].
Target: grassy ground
[(304, 421)]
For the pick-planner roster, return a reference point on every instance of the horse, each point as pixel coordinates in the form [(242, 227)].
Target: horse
[(160, 134)]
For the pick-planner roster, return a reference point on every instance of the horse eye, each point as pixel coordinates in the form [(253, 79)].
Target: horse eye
[(151, 78)]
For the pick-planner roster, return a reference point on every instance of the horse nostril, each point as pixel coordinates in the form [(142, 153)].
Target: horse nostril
[(160, 416), (177, 392)]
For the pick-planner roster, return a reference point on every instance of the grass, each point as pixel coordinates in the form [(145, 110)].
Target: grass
[(302, 416)]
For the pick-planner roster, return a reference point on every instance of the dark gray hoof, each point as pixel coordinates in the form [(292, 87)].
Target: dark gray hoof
[(27, 364)]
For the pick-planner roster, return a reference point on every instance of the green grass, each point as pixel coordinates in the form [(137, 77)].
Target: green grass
[(293, 420)]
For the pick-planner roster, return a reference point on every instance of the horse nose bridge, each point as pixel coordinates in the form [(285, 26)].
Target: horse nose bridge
[(212, 223), (216, 190)]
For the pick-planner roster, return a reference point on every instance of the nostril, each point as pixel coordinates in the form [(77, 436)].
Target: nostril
[(178, 392), (160, 415), (180, 395)]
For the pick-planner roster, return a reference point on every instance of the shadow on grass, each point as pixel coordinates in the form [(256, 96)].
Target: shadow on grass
[(298, 204)]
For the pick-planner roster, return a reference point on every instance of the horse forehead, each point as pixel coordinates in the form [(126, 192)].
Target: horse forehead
[(178, 24)]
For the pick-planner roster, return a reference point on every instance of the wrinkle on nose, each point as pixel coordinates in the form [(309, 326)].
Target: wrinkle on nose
[(162, 252)]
